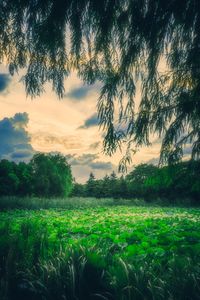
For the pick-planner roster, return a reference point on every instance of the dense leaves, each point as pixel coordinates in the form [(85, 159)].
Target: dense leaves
[(109, 186), (169, 183), (45, 175), (50, 175), (122, 44)]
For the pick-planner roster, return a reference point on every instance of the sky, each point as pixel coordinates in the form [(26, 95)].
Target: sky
[(68, 125)]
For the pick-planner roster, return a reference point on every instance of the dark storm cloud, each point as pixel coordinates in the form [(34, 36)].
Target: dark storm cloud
[(15, 141), (82, 92), (4, 81), (91, 121)]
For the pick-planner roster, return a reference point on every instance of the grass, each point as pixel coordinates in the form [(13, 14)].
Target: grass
[(12, 202), (102, 252), (35, 203)]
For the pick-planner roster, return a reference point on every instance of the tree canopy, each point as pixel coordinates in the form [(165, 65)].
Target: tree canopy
[(174, 183), (46, 175), (119, 43)]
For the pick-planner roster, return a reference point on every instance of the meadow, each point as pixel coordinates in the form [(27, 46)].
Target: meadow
[(100, 252)]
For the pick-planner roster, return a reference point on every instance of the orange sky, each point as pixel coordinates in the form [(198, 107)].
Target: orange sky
[(68, 125)]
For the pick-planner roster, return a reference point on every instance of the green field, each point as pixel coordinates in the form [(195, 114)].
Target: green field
[(108, 252)]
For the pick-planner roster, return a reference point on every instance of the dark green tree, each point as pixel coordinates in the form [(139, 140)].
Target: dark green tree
[(9, 180), (119, 43), (194, 179), (99, 189), (160, 184), (136, 179), (90, 188), (61, 176), (78, 190), (114, 185), (106, 188), (179, 181), (123, 188), (51, 175), (24, 174), (41, 167), (140, 173)]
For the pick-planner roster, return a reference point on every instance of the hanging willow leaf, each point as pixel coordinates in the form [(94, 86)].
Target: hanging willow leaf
[(116, 42)]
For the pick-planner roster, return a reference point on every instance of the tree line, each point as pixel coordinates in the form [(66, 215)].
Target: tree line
[(179, 181), (46, 175), (49, 175)]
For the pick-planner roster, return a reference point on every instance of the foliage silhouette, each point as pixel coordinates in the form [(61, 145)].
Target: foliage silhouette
[(117, 42), (46, 175), (170, 183)]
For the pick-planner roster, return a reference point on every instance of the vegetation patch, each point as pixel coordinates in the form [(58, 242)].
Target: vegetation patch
[(100, 253)]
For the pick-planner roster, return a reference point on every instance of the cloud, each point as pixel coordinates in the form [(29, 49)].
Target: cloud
[(84, 164), (20, 119), (100, 165), (89, 160), (78, 93), (186, 155), (84, 159), (90, 122), (15, 140), (93, 120), (4, 82), (82, 92), (94, 146), (21, 155), (47, 141)]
